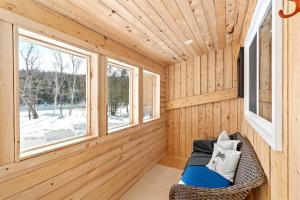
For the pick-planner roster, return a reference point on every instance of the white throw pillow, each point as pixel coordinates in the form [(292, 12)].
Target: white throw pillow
[(223, 136), (224, 162), (229, 144)]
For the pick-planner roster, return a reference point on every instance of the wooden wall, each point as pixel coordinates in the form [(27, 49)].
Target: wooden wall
[(102, 168), (197, 78), (185, 124), (282, 168)]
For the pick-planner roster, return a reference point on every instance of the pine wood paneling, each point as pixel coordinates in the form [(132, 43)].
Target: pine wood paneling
[(211, 72), (190, 77), (6, 94), (100, 167), (183, 78), (197, 75), (219, 70), (203, 99), (203, 74), (158, 28), (281, 167), (205, 115), (182, 131), (177, 81), (292, 152), (176, 128)]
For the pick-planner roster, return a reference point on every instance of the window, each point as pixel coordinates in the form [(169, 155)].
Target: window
[(265, 69), (151, 96), (263, 74), (121, 102), (53, 91)]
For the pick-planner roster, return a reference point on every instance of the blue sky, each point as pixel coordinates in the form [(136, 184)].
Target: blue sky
[(47, 58)]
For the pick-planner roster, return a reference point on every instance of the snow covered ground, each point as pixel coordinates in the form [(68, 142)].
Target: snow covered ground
[(49, 128)]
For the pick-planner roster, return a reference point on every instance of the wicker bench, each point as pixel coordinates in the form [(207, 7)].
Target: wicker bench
[(249, 175)]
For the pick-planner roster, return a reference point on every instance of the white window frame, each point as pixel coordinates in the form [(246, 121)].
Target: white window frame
[(271, 132), (156, 96), (92, 85), (133, 95)]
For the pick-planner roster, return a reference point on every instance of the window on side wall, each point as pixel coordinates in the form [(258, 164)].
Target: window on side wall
[(151, 95), (53, 90), (122, 95), (263, 73)]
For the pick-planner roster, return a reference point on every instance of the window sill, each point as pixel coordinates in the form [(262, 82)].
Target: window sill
[(118, 129), (53, 147), (150, 120)]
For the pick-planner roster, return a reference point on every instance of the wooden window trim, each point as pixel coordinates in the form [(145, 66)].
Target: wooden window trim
[(133, 93), (156, 97), (92, 130)]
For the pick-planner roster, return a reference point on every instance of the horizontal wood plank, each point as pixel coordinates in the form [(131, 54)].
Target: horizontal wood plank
[(203, 99)]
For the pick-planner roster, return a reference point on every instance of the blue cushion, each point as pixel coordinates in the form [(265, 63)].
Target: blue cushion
[(201, 176)]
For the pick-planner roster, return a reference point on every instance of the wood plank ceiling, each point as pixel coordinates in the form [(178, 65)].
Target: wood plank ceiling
[(159, 28)]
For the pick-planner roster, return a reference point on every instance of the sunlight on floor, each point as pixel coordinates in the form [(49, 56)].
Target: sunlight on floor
[(154, 185)]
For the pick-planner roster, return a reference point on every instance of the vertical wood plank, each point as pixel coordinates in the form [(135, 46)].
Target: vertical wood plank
[(203, 73), (7, 143), (188, 131), (171, 84), (225, 115), (190, 77), (103, 92), (195, 122), (183, 79), (209, 124), (202, 133), (228, 68), (235, 54), (211, 72), (217, 118), (197, 84), (170, 129), (233, 116), (182, 132), (280, 160), (177, 81), (294, 96), (176, 132), (139, 85), (219, 70)]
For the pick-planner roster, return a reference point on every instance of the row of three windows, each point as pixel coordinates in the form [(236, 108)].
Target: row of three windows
[(55, 92)]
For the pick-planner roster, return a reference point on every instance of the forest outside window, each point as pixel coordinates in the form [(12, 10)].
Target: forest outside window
[(53, 91), (151, 95), (122, 95)]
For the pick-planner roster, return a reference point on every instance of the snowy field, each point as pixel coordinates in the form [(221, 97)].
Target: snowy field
[(48, 128)]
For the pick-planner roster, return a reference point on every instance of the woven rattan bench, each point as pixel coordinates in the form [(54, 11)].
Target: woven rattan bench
[(249, 175)]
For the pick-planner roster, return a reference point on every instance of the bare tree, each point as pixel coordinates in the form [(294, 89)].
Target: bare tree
[(76, 62), (59, 67), (32, 62)]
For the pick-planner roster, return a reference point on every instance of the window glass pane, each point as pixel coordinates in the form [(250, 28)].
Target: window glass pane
[(253, 76), (52, 91), (118, 96), (265, 68), (149, 95)]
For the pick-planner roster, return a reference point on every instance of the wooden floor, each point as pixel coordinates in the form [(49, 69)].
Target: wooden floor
[(174, 162), (154, 185)]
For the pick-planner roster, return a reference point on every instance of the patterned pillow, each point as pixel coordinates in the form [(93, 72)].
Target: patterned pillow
[(224, 162), (223, 136), (229, 144)]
